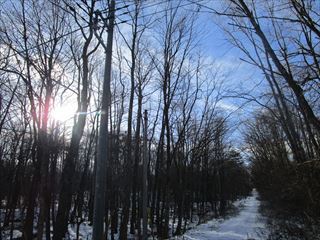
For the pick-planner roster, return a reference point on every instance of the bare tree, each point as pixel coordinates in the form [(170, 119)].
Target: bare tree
[(82, 64)]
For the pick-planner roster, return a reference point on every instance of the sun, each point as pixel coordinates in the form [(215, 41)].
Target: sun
[(63, 112)]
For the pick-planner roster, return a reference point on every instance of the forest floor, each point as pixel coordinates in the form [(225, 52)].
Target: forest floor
[(246, 223), (247, 219)]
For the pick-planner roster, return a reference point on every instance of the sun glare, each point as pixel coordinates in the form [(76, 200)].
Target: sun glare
[(64, 112)]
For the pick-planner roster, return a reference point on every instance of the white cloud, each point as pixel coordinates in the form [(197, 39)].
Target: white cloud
[(229, 107)]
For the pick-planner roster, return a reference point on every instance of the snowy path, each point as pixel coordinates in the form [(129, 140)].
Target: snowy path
[(245, 225)]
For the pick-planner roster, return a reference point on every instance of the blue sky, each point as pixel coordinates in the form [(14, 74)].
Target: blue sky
[(238, 77), (241, 77)]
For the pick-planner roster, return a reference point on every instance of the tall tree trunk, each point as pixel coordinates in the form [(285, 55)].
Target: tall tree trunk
[(297, 90), (135, 181)]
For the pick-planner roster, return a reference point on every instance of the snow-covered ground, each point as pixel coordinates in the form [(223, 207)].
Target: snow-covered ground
[(248, 224)]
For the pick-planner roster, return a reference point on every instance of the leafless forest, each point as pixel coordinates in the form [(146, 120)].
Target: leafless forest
[(113, 120)]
